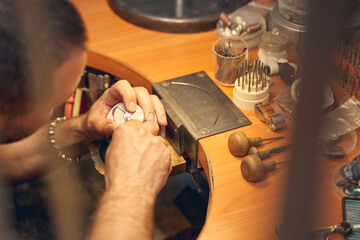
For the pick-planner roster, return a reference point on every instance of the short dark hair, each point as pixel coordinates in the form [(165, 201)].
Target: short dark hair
[(35, 38)]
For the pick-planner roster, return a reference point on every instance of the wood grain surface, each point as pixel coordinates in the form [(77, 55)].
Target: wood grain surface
[(237, 209)]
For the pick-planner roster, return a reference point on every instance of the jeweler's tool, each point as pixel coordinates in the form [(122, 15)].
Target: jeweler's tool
[(106, 81), (251, 87), (229, 55), (92, 85), (240, 26), (266, 113), (252, 28), (344, 228), (253, 168), (234, 28), (196, 108), (239, 143), (100, 85), (204, 90), (266, 153), (353, 191)]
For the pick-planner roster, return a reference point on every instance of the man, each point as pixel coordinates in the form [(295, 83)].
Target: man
[(42, 56)]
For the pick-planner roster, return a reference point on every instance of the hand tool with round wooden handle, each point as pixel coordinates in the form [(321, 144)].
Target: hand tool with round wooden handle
[(253, 168), (239, 143), (266, 153)]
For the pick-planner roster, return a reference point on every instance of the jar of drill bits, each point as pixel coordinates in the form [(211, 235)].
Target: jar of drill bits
[(229, 53)]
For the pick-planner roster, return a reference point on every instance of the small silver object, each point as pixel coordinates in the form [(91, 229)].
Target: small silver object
[(266, 113), (120, 115)]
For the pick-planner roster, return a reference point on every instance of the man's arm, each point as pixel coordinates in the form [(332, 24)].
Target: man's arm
[(26, 158), (127, 214), (136, 169)]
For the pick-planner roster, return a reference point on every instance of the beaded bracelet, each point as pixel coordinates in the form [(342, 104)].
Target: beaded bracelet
[(52, 126)]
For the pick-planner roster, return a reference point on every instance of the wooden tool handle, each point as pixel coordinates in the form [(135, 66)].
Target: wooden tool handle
[(238, 144), (264, 154), (225, 19), (253, 28), (252, 168), (253, 151), (254, 141), (269, 165)]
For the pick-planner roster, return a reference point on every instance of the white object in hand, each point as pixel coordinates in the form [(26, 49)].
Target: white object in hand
[(120, 115)]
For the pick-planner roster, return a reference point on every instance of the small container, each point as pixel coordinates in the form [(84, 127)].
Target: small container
[(273, 45), (249, 26), (229, 54)]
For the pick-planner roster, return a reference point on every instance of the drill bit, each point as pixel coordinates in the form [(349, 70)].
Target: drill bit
[(261, 74), (246, 76), (262, 80), (249, 80), (266, 153), (268, 139), (256, 72), (283, 162), (257, 77), (245, 72), (243, 75), (253, 71), (238, 74)]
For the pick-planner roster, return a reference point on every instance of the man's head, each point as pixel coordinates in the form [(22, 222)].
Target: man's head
[(42, 55)]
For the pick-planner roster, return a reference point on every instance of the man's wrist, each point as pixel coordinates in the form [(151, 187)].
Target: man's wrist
[(127, 212), (134, 192), (53, 143), (70, 133), (84, 126)]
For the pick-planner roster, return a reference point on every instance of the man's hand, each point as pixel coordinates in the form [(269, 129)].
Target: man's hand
[(97, 126), (137, 165), (137, 159)]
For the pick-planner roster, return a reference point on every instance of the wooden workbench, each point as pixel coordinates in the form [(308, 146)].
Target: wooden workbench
[(237, 209)]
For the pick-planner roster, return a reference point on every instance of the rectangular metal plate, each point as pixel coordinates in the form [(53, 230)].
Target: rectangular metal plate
[(196, 108)]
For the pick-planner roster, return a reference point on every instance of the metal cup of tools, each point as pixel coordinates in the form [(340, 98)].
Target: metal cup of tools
[(230, 53)]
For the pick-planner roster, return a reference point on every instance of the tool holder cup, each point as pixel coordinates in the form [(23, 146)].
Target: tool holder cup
[(230, 53)]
